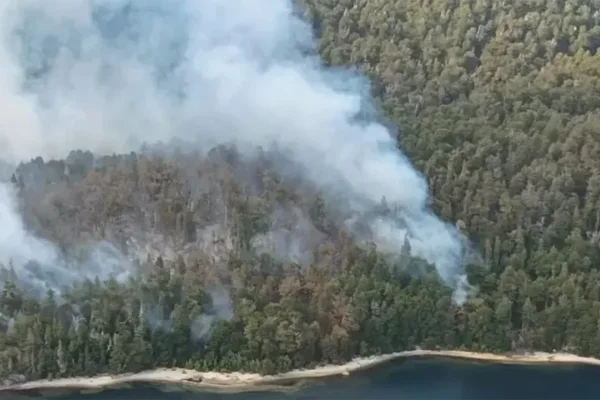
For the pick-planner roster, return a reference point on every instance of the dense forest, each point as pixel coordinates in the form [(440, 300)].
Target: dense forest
[(498, 107)]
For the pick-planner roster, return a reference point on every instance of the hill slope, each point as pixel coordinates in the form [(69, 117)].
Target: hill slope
[(498, 107)]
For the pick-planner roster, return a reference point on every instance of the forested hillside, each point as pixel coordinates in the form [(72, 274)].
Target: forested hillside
[(497, 104)]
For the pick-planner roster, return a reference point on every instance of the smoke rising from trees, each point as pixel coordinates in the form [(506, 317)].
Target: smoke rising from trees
[(111, 75)]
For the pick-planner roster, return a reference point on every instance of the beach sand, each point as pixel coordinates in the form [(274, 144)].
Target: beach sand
[(239, 381)]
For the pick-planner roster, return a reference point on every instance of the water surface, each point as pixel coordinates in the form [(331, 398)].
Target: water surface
[(412, 380)]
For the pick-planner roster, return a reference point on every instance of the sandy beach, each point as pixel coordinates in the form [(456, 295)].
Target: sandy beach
[(239, 381)]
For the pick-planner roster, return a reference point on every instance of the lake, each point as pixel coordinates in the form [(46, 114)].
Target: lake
[(412, 379)]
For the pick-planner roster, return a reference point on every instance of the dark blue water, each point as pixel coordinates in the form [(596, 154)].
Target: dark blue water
[(414, 380)]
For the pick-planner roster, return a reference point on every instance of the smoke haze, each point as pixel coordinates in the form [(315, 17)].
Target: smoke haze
[(38, 263), (111, 75)]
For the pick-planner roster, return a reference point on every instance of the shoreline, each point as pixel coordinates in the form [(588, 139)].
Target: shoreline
[(240, 381)]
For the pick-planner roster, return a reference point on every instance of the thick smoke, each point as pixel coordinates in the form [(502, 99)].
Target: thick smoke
[(110, 75)]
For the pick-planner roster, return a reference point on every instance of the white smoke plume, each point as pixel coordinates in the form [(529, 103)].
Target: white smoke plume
[(38, 264), (221, 309), (110, 75)]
